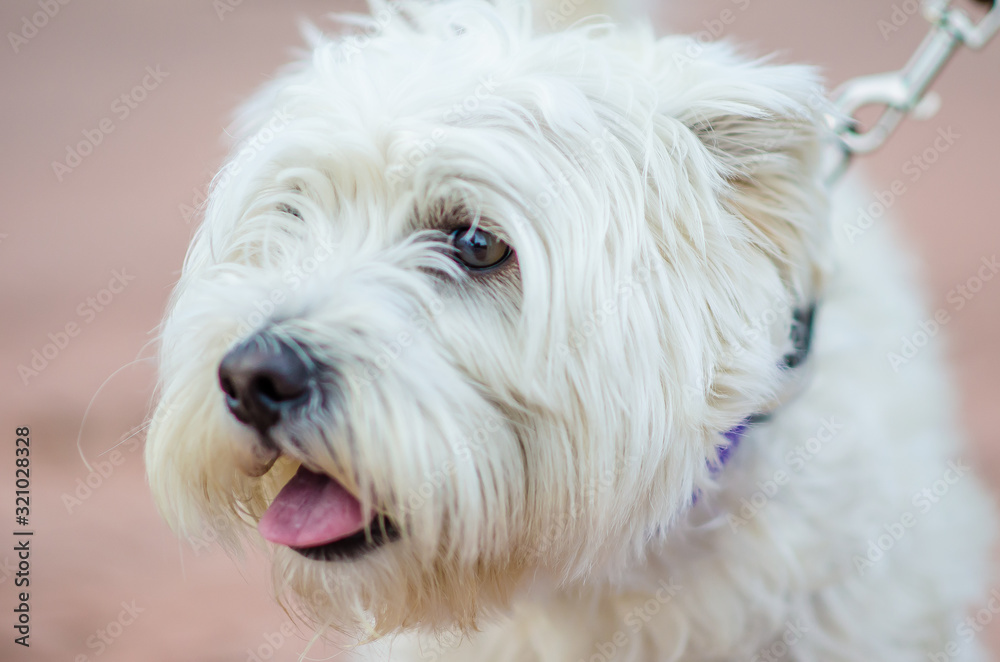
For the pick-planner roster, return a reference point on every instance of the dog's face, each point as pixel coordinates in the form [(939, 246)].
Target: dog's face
[(481, 302)]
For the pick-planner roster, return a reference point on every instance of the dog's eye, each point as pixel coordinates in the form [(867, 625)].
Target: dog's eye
[(478, 249), (290, 210)]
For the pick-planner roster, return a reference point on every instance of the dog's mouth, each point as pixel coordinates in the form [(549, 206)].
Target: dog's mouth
[(314, 515)]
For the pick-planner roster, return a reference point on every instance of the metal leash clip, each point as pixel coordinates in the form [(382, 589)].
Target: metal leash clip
[(904, 92)]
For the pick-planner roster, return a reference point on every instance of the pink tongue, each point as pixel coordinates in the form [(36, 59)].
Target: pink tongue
[(311, 510)]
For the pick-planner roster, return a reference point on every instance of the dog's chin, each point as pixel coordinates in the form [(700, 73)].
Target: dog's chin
[(381, 532)]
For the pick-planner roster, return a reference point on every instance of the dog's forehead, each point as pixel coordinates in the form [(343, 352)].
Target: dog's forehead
[(407, 133), (469, 107), (396, 104)]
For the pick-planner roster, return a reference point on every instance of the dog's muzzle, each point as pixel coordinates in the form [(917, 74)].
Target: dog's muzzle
[(264, 379)]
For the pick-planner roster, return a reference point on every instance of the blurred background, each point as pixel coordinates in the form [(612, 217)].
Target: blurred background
[(92, 239)]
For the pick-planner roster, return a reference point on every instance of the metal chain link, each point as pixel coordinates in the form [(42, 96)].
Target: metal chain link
[(904, 92)]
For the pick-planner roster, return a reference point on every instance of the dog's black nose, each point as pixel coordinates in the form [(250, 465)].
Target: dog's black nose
[(263, 378)]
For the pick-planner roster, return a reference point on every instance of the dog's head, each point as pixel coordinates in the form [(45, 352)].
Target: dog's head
[(481, 302)]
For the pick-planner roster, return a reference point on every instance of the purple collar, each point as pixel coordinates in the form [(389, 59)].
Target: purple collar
[(801, 337), (733, 436)]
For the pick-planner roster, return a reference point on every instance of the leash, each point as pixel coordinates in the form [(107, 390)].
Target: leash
[(900, 93), (903, 92)]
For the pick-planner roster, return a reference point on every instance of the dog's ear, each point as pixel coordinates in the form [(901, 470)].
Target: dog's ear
[(737, 202), (763, 126)]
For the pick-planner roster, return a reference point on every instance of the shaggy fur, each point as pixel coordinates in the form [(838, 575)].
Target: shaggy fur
[(545, 435)]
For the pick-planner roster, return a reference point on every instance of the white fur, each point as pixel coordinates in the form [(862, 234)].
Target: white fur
[(540, 433)]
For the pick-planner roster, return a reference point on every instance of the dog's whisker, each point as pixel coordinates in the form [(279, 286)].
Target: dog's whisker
[(136, 430), (86, 411)]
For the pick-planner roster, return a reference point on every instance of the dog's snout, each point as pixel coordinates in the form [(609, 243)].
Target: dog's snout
[(262, 381)]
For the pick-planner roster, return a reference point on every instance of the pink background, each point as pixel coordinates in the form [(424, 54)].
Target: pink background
[(121, 209)]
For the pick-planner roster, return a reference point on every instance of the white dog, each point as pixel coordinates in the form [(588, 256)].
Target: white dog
[(502, 340)]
